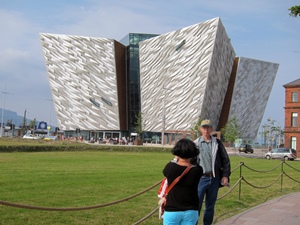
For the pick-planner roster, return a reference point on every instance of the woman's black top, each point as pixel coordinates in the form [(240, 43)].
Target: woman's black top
[(184, 195)]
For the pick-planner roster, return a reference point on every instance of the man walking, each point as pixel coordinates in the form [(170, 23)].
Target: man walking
[(214, 160)]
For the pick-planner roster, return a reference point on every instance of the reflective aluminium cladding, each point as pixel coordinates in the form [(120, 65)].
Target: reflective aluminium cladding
[(184, 74), (87, 83), (173, 79), (252, 87)]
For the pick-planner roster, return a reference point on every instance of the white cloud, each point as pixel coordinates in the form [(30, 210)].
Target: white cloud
[(258, 29)]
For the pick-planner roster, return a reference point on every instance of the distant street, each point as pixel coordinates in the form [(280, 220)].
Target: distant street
[(258, 153)]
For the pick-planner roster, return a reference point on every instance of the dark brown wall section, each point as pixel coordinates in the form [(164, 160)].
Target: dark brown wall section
[(120, 56), (227, 100)]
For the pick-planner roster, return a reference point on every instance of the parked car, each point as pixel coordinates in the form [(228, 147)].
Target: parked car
[(47, 138), (281, 153), (30, 136), (246, 148)]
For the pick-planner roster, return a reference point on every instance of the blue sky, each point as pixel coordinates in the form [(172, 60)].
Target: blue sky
[(258, 29)]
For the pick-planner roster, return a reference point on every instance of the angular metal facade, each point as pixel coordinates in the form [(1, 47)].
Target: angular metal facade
[(252, 87), (184, 74), (86, 81)]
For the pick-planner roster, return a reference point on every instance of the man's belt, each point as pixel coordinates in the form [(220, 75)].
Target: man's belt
[(208, 174)]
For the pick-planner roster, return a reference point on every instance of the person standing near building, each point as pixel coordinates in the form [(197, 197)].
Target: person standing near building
[(182, 200), (214, 160)]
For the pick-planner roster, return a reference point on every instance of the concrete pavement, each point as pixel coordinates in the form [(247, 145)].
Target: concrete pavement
[(278, 211)]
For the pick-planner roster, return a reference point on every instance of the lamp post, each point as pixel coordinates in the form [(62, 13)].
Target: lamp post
[(2, 117), (49, 124), (164, 115)]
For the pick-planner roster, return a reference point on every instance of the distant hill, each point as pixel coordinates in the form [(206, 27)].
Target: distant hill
[(14, 117)]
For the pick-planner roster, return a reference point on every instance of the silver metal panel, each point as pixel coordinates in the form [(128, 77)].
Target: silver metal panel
[(189, 69), (253, 85), (82, 77)]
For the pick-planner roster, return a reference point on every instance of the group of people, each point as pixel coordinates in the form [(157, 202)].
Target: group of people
[(210, 170)]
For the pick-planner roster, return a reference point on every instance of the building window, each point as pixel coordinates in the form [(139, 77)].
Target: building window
[(294, 142), (294, 119), (294, 96)]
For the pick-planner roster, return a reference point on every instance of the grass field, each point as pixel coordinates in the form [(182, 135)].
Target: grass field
[(79, 179)]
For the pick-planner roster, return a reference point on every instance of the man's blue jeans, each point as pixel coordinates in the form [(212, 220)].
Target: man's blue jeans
[(208, 187)]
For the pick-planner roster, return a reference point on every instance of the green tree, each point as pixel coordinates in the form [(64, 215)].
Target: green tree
[(139, 126), (272, 133), (32, 124), (295, 11), (196, 129), (230, 131)]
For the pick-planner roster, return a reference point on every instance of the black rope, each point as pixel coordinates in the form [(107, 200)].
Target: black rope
[(263, 186), (291, 178), (142, 192), (263, 171), (75, 208), (292, 167), (236, 168), (231, 189), (147, 216)]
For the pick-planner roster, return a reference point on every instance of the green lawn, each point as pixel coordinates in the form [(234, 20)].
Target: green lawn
[(79, 179)]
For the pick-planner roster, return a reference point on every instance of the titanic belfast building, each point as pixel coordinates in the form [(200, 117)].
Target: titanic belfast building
[(172, 80)]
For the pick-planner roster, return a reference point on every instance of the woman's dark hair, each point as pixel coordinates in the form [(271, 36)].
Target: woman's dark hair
[(185, 148)]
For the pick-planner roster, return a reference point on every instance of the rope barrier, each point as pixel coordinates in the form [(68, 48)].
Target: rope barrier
[(231, 189), (264, 186), (291, 178), (75, 208), (146, 217), (262, 171), (236, 168), (292, 167), (156, 184)]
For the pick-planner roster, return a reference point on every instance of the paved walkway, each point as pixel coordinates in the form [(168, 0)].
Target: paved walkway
[(282, 210)]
